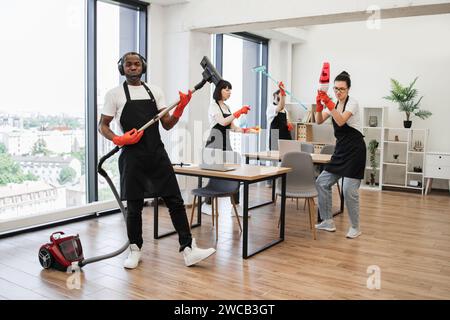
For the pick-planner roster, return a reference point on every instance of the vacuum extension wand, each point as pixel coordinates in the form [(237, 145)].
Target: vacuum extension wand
[(211, 75), (262, 69)]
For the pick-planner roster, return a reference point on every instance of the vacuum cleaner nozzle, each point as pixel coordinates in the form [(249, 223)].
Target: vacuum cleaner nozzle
[(210, 73)]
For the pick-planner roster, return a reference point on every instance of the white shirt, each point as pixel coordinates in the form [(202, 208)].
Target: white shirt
[(352, 106), (272, 113), (214, 113), (115, 99)]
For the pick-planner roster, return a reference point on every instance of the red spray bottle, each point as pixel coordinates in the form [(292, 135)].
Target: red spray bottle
[(324, 81)]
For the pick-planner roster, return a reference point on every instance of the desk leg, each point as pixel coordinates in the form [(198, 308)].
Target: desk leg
[(245, 231), (283, 205), (155, 218), (274, 185), (199, 207)]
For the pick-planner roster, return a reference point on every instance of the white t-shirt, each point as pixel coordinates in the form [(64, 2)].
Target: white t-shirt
[(272, 113), (352, 106), (214, 112), (115, 99)]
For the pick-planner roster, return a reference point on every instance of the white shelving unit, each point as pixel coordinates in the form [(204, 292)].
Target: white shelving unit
[(404, 158), (373, 120)]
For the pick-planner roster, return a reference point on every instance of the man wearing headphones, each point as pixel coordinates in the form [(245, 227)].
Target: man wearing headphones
[(145, 168)]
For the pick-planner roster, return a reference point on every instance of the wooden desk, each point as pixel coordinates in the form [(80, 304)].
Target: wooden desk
[(246, 174), (275, 156)]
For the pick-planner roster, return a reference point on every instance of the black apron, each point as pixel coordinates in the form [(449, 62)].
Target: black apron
[(145, 168), (219, 137), (349, 158), (279, 123)]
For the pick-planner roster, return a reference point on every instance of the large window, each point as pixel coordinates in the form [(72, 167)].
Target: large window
[(51, 64), (42, 110), (237, 55)]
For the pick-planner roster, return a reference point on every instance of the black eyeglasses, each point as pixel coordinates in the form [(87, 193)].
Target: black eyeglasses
[(339, 89)]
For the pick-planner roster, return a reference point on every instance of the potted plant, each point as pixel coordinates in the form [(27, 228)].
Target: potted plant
[(406, 99), (373, 146)]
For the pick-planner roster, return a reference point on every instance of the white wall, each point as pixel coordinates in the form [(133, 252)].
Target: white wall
[(402, 48)]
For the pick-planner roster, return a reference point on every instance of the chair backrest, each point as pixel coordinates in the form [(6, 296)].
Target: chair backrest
[(285, 146), (226, 185), (307, 147), (302, 175), (328, 149)]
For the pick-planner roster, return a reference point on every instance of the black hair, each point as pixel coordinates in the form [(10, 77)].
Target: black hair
[(344, 76), (275, 98), (222, 84)]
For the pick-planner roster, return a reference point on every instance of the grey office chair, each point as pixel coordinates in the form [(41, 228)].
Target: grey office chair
[(307, 147), (217, 188), (301, 182)]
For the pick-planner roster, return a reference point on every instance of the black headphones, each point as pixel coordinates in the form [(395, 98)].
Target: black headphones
[(121, 60)]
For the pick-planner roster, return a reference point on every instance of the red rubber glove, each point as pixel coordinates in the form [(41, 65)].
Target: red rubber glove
[(129, 137), (290, 126), (319, 105), (184, 100), (326, 100), (281, 87), (243, 110)]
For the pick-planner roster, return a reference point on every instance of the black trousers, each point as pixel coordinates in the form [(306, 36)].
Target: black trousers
[(178, 216)]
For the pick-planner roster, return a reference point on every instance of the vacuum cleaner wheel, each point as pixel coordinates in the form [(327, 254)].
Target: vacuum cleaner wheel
[(45, 258)]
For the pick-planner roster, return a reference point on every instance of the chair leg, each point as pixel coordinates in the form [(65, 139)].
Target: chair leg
[(311, 216), (192, 212), (212, 211), (304, 205), (309, 212), (236, 213), (339, 188), (217, 219), (297, 203)]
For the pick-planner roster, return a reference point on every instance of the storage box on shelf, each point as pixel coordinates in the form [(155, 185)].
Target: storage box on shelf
[(304, 132)]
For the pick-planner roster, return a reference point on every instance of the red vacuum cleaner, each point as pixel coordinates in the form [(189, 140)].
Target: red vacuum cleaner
[(65, 250)]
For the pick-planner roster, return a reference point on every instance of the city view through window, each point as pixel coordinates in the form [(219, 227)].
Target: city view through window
[(42, 121), (43, 105)]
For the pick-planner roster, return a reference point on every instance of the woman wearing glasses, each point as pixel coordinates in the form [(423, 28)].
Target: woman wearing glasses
[(349, 158)]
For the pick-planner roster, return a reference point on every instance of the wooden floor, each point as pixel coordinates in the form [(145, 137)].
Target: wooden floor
[(406, 235)]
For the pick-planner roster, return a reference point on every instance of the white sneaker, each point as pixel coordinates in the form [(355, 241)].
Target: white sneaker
[(327, 225), (240, 211), (134, 257), (353, 233), (194, 254)]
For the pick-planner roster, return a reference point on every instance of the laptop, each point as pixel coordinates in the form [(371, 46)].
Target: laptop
[(216, 167), (285, 146), (213, 159)]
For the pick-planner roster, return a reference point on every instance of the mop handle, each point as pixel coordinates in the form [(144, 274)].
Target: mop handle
[(285, 90)]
